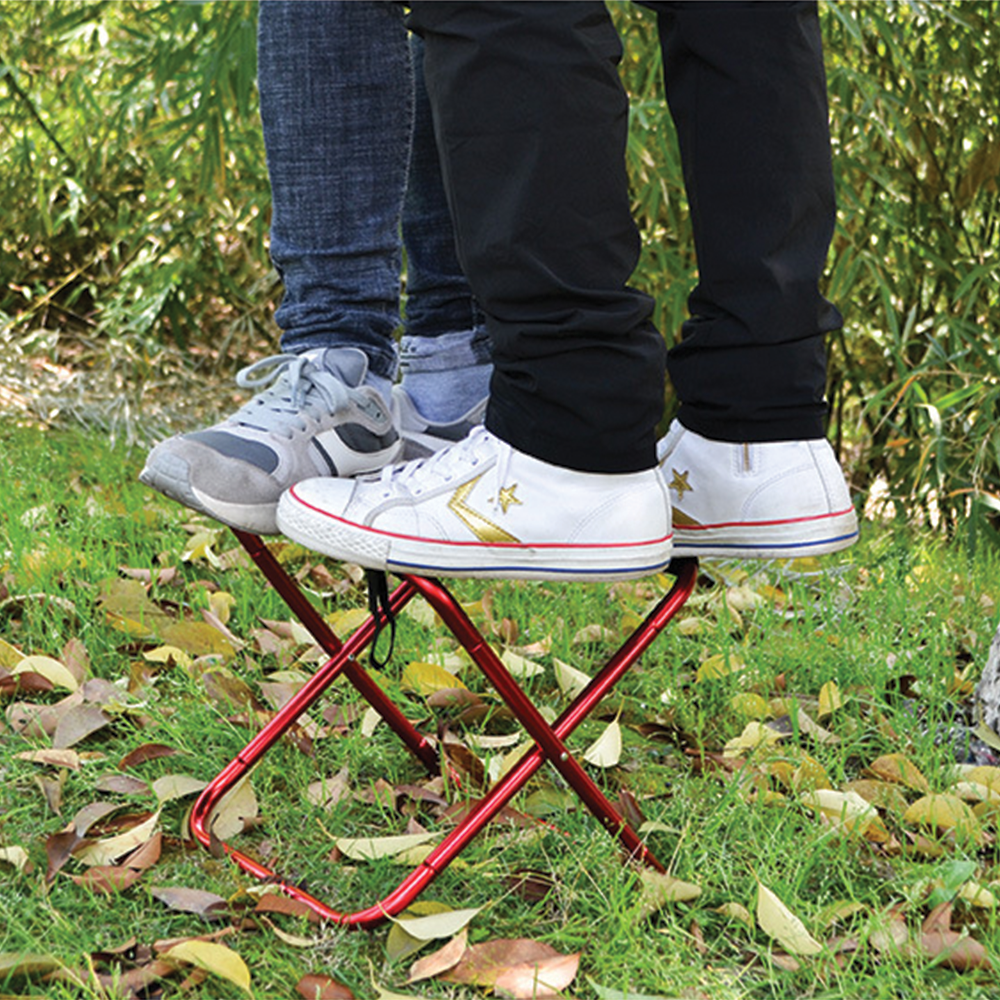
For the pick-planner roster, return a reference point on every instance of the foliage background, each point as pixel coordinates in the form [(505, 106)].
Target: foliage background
[(135, 212)]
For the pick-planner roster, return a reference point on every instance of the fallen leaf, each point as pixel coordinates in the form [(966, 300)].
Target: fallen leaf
[(234, 810), (401, 945), (755, 734), (52, 670), (372, 848), (171, 655), (214, 958), (606, 751), (317, 987), (198, 639), (897, 768), (943, 812), (440, 961), (147, 752), (830, 699), (205, 904), (14, 963), (778, 922), (659, 888), (53, 758), (535, 981), (570, 680), (519, 666), (736, 911), (176, 786), (443, 924), (77, 724), (974, 893), (718, 666), (483, 963), (122, 784), (327, 792), (426, 678), (16, 856), (848, 811), (103, 852)]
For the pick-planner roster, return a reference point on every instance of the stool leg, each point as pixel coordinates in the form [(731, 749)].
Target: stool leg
[(317, 627), (549, 739)]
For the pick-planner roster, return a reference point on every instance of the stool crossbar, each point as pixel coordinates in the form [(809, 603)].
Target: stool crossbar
[(549, 738)]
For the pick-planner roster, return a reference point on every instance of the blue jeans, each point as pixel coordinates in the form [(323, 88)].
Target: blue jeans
[(353, 163)]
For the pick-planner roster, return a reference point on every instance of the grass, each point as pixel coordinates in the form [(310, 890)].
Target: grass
[(891, 623)]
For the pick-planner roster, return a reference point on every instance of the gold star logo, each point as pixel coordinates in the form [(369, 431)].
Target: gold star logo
[(482, 527), (680, 483), (507, 497)]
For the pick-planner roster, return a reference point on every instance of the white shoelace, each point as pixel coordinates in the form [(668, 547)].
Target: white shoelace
[(449, 464), (290, 385)]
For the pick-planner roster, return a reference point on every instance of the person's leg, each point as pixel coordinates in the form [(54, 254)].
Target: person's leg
[(445, 359), (336, 90), (747, 92), (531, 121)]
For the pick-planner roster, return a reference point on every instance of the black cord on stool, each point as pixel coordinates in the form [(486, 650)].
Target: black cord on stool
[(381, 611)]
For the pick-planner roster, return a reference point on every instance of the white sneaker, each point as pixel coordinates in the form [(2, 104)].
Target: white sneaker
[(422, 437), (314, 416), (780, 499), (481, 509)]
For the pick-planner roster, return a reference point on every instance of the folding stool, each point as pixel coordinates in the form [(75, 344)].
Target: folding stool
[(549, 739)]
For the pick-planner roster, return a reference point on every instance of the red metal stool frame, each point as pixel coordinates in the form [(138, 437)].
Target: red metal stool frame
[(549, 745)]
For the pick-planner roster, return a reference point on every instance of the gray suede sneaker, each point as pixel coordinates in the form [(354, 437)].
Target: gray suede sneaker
[(316, 417)]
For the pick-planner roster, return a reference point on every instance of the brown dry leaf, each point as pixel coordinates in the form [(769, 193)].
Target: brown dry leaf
[(277, 902), (122, 784), (103, 852), (53, 758), (207, 905), (147, 752), (483, 963), (954, 949), (76, 659), (327, 792), (77, 724), (897, 768), (52, 788), (108, 879), (440, 961), (314, 986), (226, 690), (234, 811), (538, 980)]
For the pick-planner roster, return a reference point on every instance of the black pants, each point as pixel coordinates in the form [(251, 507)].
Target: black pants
[(531, 121)]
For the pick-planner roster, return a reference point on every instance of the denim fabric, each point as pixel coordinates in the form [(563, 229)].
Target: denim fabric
[(340, 109)]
